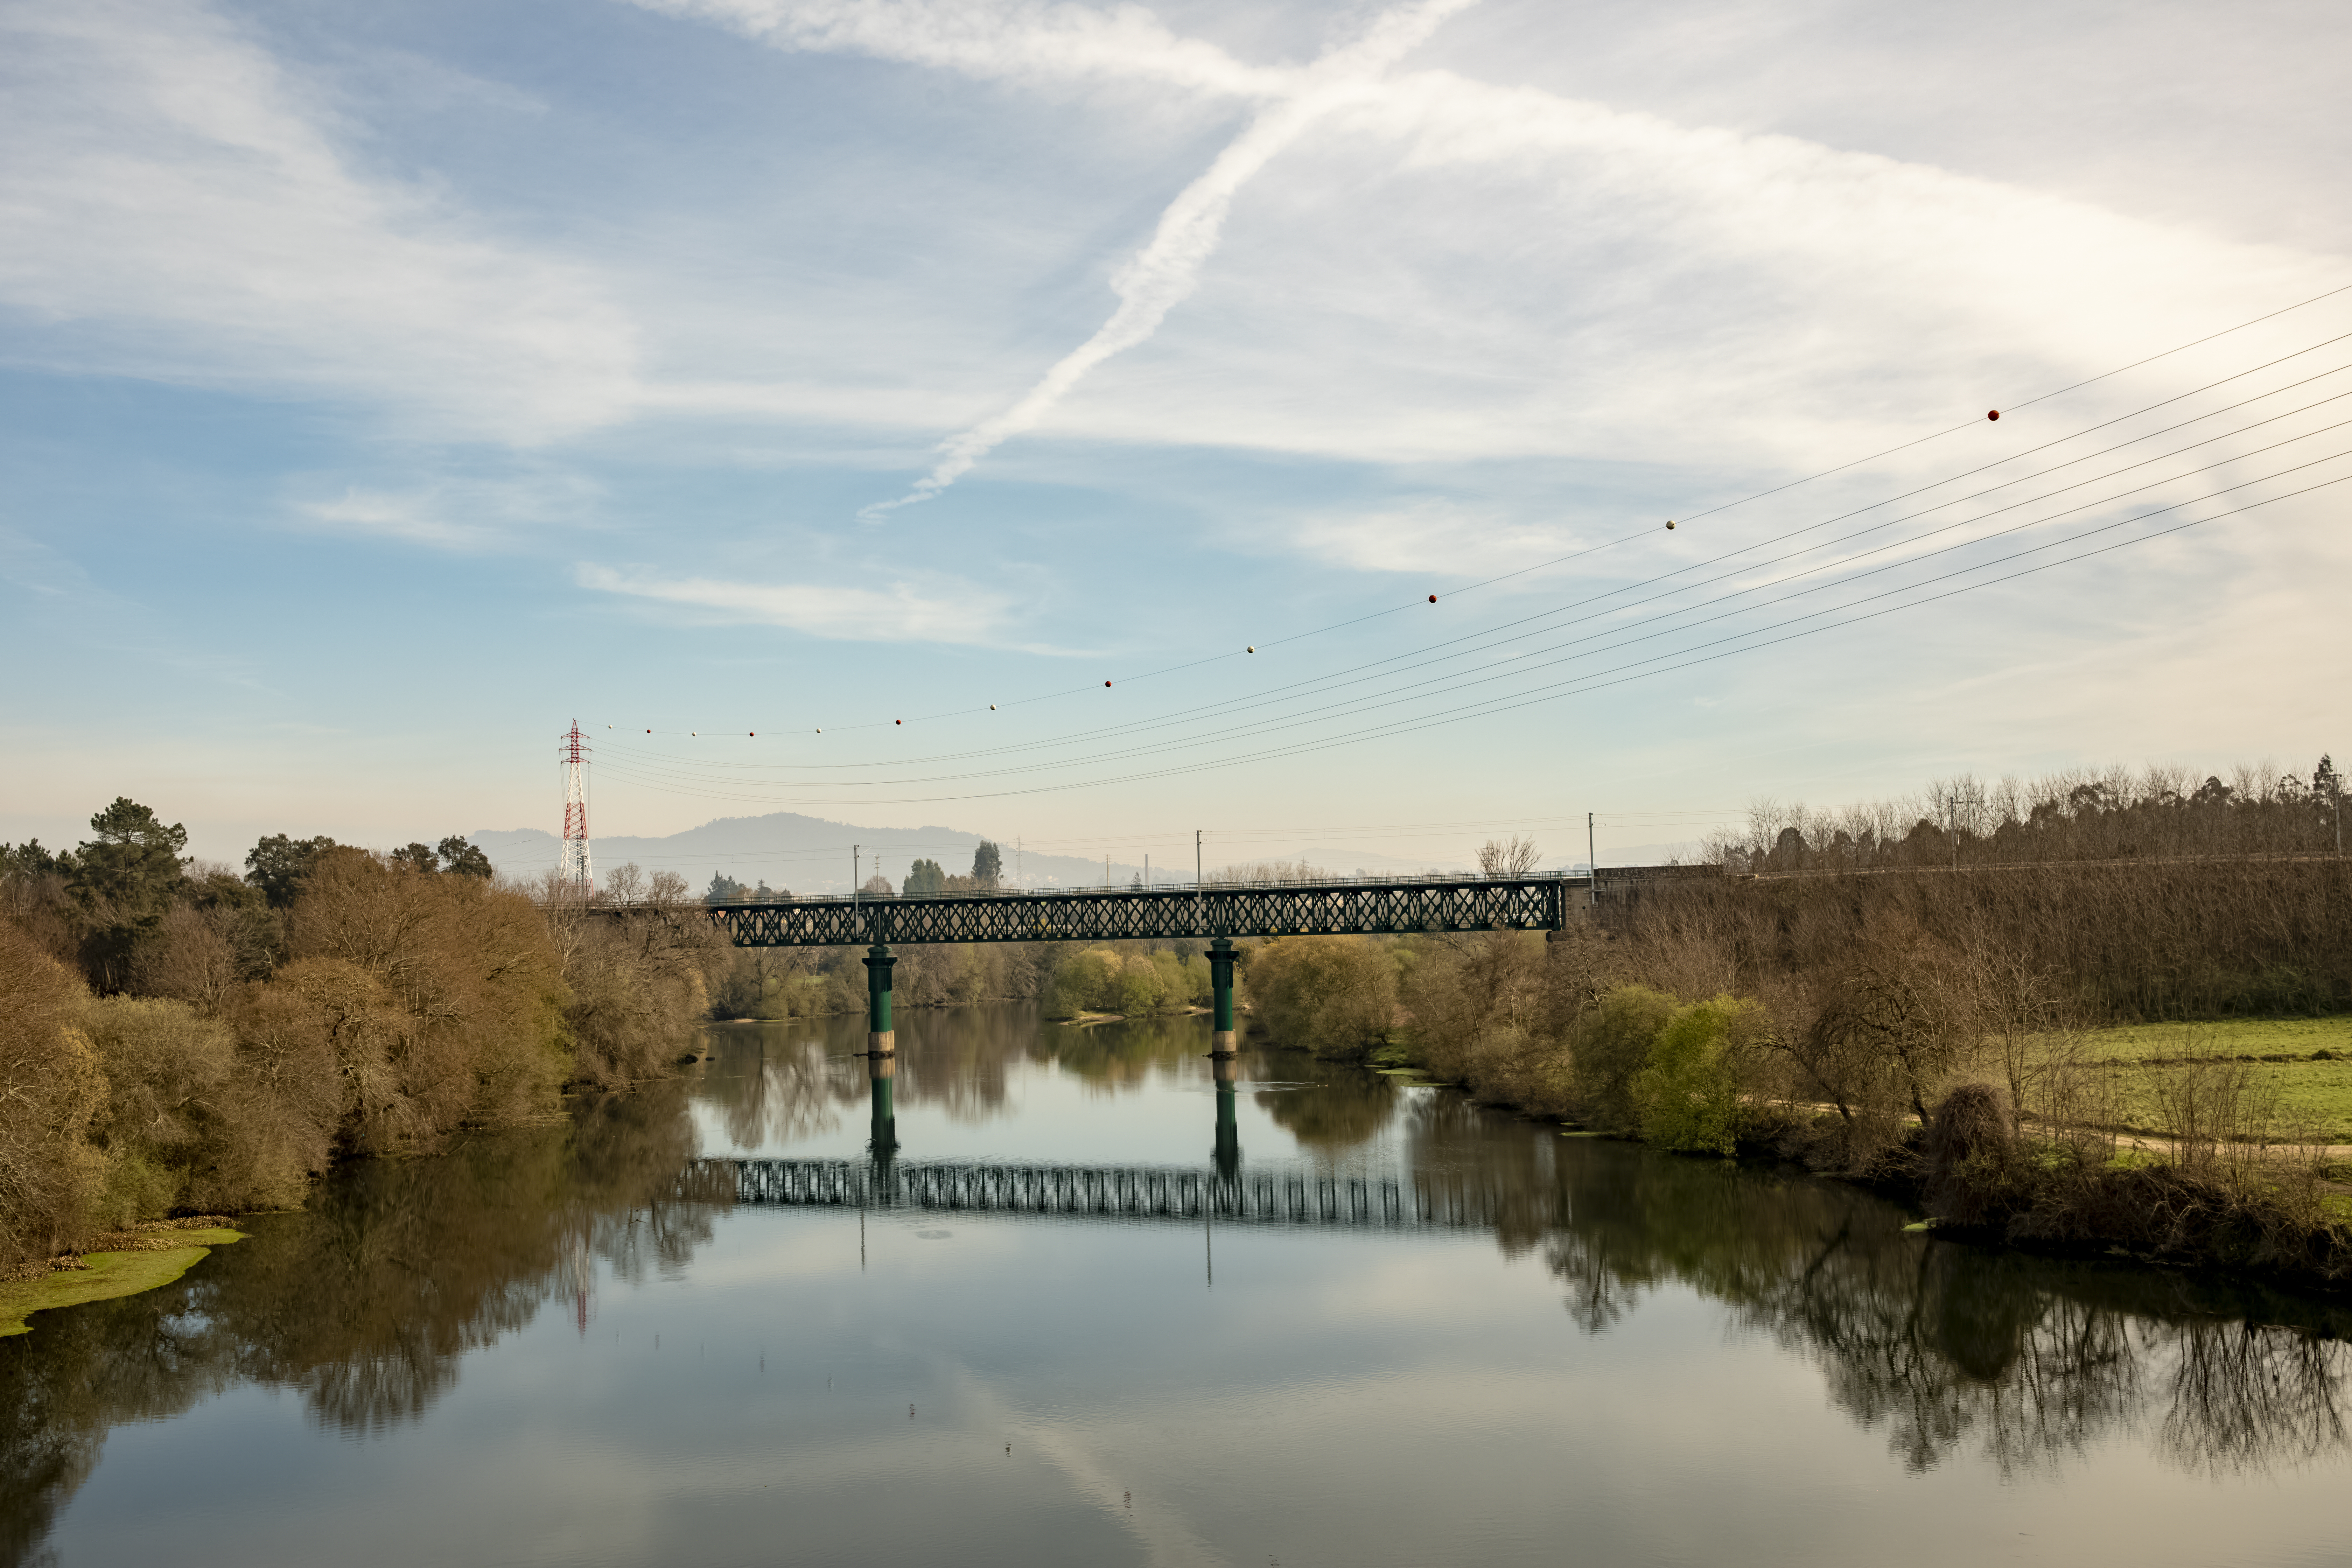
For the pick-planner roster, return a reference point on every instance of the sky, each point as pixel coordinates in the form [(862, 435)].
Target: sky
[(771, 387)]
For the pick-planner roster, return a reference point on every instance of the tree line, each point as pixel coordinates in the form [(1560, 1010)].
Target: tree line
[(2110, 813), (182, 1038)]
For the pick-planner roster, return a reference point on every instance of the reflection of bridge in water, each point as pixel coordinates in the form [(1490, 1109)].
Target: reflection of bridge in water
[(1091, 1192)]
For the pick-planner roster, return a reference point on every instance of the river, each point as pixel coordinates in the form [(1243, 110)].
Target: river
[(1442, 1335)]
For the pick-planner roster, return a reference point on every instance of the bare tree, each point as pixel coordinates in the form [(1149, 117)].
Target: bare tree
[(1513, 856)]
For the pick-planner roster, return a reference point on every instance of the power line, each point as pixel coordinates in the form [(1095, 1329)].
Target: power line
[(1620, 636), (1645, 532), (1583, 685), (1327, 682), (1241, 704)]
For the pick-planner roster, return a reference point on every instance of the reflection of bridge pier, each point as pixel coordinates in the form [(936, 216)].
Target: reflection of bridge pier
[(1226, 1067), (1224, 1061), (881, 1071), (881, 1051)]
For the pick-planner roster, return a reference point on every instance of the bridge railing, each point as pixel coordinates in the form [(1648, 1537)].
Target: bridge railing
[(1160, 886)]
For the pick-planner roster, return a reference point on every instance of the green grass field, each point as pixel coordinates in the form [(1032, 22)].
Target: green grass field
[(2313, 1096), (2314, 1099), (2235, 1037)]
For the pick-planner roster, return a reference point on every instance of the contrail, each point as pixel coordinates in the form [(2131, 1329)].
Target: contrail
[(1164, 271)]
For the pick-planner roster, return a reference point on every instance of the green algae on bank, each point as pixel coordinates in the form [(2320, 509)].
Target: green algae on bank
[(106, 1276)]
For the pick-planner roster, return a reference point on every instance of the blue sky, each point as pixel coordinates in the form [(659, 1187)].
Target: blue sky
[(387, 386)]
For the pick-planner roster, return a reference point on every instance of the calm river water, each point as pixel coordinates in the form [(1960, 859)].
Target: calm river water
[(1476, 1341)]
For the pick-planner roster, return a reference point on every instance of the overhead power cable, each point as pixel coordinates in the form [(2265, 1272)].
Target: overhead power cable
[(1646, 533), (1665, 663), (1489, 638), (1618, 636)]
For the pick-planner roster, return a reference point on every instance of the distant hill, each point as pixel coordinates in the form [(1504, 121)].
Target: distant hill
[(800, 854), (791, 853)]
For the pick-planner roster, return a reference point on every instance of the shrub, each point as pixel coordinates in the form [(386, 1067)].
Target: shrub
[(1688, 1095), (1085, 983), (1971, 1152), (1334, 996), (165, 1069), (1612, 1049), (49, 1085), (443, 995)]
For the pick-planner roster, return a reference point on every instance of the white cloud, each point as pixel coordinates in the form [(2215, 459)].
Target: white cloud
[(1430, 535), (465, 515), (896, 611), (1446, 270), (1017, 41), (1160, 275), (1424, 266), (177, 199)]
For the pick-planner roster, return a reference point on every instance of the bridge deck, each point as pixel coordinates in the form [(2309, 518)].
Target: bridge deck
[(1110, 1191)]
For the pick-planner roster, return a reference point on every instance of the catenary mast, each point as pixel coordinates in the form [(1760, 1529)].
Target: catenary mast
[(574, 867)]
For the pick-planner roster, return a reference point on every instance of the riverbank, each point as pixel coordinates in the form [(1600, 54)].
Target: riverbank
[(124, 1263), (2209, 1151)]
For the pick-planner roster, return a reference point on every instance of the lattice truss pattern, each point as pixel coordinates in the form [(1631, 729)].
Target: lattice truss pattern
[(1098, 1192), (1329, 908)]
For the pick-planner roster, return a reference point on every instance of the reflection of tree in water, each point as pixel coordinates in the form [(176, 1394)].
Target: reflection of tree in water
[(1124, 1057), (1502, 1170), (2023, 1360), (363, 1302), (777, 1084), (2244, 1396), (772, 1084), (959, 1059), (1343, 1109)]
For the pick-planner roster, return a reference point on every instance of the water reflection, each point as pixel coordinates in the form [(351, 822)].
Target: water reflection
[(364, 1304), (774, 1084), (1335, 1116), (1944, 1347)]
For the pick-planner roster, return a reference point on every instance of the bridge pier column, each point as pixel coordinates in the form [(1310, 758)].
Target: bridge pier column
[(1221, 985), (1227, 1069), (881, 1039)]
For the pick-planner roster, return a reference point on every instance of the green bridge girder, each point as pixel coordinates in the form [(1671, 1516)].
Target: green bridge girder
[(1263, 908)]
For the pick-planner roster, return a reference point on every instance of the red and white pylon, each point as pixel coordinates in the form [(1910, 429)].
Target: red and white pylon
[(573, 866)]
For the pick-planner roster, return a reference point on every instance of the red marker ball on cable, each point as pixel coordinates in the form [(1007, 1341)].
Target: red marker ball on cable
[(1992, 413), (1433, 598), (1105, 683), (898, 721)]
